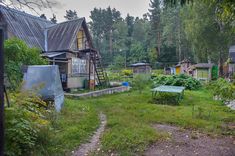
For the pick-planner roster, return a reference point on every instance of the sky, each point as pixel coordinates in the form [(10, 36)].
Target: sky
[(83, 7)]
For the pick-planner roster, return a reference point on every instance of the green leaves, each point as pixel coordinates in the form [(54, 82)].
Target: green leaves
[(177, 80), (17, 54)]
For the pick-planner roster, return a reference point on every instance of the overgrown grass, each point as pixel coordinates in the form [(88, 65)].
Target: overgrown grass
[(73, 126), (130, 117)]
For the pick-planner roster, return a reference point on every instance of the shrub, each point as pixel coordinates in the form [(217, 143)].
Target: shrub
[(223, 89), (140, 82), (17, 53), (127, 72), (25, 119), (177, 80)]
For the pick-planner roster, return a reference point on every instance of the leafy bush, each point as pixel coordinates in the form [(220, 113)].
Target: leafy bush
[(140, 82), (127, 72), (177, 80), (157, 72), (17, 53), (223, 89), (24, 121)]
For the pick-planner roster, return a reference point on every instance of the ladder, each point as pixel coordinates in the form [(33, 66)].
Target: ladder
[(102, 77)]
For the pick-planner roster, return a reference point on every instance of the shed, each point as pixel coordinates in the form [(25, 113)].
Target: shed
[(141, 68), (183, 66), (231, 65), (202, 71)]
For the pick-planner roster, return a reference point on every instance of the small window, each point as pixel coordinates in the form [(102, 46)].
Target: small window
[(78, 66)]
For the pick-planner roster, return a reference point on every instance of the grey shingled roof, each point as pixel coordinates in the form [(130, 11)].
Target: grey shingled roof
[(25, 26), (204, 65), (62, 35), (41, 33)]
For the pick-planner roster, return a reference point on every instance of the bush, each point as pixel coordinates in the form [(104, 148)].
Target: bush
[(25, 119), (140, 82), (223, 89), (177, 80), (17, 54), (127, 72)]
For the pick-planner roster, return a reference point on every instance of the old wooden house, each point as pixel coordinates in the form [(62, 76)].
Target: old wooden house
[(67, 44)]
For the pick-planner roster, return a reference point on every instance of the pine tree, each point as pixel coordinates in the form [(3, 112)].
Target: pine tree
[(155, 14), (43, 16), (53, 19), (71, 15)]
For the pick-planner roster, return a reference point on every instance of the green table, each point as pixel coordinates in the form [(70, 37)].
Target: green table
[(169, 89)]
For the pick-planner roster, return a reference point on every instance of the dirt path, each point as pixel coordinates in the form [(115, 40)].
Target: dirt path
[(87, 148), (188, 143)]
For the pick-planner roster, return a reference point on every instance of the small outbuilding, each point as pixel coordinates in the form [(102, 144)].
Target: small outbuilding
[(204, 71), (183, 66), (231, 65), (141, 68)]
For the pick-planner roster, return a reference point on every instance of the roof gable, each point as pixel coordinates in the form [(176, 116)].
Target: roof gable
[(25, 26), (61, 36), (41, 33)]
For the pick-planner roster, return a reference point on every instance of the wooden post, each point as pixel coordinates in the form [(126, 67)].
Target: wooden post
[(1, 93)]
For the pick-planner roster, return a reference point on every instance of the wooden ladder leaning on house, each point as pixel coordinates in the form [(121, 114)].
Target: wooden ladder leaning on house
[(102, 77)]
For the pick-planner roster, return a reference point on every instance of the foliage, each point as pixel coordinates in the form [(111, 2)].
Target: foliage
[(157, 72), (25, 120), (223, 89), (140, 82), (127, 72), (119, 62), (17, 54), (71, 15), (177, 80)]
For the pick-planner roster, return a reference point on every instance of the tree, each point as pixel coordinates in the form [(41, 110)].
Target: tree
[(43, 16), (17, 54), (155, 13), (53, 19), (209, 36), (71, 15)]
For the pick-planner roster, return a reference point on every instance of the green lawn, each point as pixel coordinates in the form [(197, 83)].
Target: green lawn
[(130, 116)]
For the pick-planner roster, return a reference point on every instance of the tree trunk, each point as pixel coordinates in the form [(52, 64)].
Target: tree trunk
[(179, 46), (111, 42), (159, 43)]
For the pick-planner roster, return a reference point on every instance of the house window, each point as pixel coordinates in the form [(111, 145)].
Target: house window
[(81, 39), (78, 66)]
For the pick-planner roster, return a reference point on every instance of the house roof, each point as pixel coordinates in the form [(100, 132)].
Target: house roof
[(25, 26), (203, 65), (185, 61), (62, 35), (140, 64), (41, 33)]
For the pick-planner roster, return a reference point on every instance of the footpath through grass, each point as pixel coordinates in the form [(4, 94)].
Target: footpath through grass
[(130, 117)]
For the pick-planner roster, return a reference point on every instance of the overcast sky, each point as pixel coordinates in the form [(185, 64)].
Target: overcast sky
[(83, 7)]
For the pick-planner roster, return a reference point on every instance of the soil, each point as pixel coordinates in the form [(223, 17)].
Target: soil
[(183, 142), (94, 143)]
